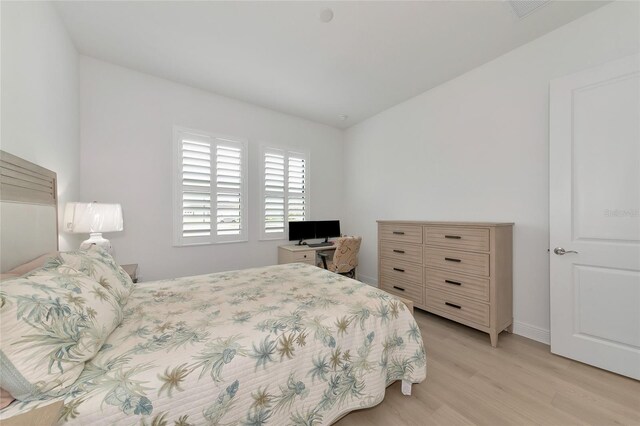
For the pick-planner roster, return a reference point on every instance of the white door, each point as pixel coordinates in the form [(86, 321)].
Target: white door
[(595, 211)]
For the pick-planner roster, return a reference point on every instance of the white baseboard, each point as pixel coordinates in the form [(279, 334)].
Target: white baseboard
[(368, 280), (532, 332)]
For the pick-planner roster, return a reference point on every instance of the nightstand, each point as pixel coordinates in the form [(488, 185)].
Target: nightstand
[(132, 270)]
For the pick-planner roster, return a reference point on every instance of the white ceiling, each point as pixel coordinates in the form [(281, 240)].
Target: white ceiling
[(279, 55)]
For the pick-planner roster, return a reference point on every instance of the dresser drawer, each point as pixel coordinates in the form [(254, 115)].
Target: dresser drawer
[(401, 251), (461, 285), (457, 261), (406, 290), (404, 233), (399, 270), (438, 302), (472, 239)]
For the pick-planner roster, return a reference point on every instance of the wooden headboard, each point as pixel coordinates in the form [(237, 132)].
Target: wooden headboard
[(28, 211)]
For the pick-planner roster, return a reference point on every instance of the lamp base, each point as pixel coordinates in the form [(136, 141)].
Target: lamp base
[(95, 238)]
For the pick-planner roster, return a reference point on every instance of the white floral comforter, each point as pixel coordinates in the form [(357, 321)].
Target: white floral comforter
[(287, 344)]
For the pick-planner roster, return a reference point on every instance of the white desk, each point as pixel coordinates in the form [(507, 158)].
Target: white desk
[(293, 253)]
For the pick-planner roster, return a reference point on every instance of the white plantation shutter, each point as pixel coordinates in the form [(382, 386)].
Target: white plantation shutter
[(296, 188), (196, 186), (274, 190), (210, 189), (285, 191), (229, 189)]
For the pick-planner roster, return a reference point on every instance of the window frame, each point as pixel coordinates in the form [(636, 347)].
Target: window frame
[(287, 151), (214, 139)]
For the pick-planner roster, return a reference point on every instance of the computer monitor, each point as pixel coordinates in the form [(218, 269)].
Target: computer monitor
[(327, 229), (304, 230)]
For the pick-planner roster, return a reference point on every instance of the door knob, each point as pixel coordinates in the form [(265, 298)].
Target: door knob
[(560, 251)]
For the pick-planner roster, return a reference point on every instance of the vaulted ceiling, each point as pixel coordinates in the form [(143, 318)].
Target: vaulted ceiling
[(280, 55)]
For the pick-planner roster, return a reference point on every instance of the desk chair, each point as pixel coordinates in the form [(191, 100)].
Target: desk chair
[(345, 257)]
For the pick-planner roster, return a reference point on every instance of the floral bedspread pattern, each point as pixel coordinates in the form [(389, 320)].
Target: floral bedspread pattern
[(287, 344)]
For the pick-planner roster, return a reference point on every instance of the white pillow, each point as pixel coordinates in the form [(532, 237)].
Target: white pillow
[(51, 323), (99, 265)]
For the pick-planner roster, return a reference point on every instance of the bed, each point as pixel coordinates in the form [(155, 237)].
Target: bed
[(285, 344)]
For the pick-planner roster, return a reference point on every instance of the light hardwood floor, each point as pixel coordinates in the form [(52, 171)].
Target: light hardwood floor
[(519, 383)]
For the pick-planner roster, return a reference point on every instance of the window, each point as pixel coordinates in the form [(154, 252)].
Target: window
[(210, 188), (285, 189)]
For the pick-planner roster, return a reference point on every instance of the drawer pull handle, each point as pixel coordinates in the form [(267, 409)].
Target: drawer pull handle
[(453, 305), (398, 233), (451, 259), (453, 237), (398, 288), (452, 282), (399, 251), (398, 269)]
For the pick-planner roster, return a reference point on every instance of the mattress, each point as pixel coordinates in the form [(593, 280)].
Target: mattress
[(286, 344)]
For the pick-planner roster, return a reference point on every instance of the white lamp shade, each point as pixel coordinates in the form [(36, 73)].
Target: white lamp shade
[(85, 218)]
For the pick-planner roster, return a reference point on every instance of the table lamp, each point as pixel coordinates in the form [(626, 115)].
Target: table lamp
[(93, 218)]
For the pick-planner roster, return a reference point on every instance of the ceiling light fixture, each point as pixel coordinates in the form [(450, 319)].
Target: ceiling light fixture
[(326, 15)]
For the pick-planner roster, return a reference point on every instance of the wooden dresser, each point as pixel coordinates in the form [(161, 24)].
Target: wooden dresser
[(459, 270)]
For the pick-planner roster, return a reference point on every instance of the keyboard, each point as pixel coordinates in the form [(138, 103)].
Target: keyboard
[(320, 245)]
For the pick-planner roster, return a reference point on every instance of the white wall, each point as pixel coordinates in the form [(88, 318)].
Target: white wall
[(39, 85), (126, 126), (476, 148)]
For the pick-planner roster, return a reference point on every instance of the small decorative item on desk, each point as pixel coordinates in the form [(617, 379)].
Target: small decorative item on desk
[(132, 270)]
